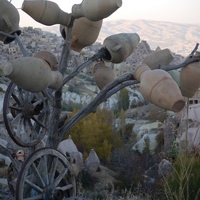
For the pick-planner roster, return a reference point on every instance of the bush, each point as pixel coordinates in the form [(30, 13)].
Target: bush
[(73, 89), (95, 132), (70, 106), (125, 162), (184, 182), (123, 101), (86, 180)]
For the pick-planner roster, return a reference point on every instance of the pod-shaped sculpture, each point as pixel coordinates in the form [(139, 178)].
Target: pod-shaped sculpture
[(159, 88), (46, 12), (32, 74), (158, 59), (190, 78), (9, 21), (95, 10), (120, 46), (103, 75), (84, 33), (49, 57)]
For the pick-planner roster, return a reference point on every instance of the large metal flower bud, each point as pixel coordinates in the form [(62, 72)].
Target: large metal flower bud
[(158, 59), (9, 21), (96, 10), (32, 74), (120, 46), (103, 75), (159, 88), (46, 12), (84, 33)]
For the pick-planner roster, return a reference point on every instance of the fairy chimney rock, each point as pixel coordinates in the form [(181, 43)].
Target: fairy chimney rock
[(92, 162), (158, 48), (67, 146), (69, 149)]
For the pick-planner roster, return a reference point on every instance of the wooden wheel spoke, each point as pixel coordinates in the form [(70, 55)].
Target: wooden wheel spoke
[(66, 187), (35, 197), (28, 125), (15, 108), (38, 102), (39, 122), (20, 95), (34, 186), (19, 128), (19, 101), (36, 172), (27, 95), (45, 169), (31, 97), (60, 177), (25, 130), (32, 129), (52, 170), (16, 118)]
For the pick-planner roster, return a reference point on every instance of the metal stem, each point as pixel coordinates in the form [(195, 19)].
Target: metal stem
[(23, 50), (7, 35), (85, 64)]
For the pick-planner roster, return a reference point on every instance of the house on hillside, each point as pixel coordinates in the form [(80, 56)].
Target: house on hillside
[(188, 124)]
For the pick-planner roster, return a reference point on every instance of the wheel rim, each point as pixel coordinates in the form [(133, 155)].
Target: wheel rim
[(47, 175), (26, 115)]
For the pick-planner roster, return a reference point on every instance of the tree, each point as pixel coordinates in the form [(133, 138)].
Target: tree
[(95, 131), (123, 102)]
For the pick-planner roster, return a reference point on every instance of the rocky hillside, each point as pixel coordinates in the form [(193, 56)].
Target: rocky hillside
[(179, 38)]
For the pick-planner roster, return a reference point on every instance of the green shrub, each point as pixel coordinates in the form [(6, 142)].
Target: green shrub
[(184, 182), (86, 180), (124, 162), (86, 77), (73, 89), (123, 101), (70, 106), (95, 132)]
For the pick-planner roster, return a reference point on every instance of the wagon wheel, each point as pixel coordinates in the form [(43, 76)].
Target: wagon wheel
[(47, 175), (26, 115)]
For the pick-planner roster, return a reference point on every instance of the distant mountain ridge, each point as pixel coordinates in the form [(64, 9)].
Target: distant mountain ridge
[(179, 38)]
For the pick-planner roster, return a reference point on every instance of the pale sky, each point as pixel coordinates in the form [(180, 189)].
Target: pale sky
[(178, 11)]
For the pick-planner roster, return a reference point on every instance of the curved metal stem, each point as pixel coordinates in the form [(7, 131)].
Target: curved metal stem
[(119, 83), (85, 64), (7, 35), (185, 63), (23, 50)]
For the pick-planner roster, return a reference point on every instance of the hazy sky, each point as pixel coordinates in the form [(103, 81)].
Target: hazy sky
[(178, 11)]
